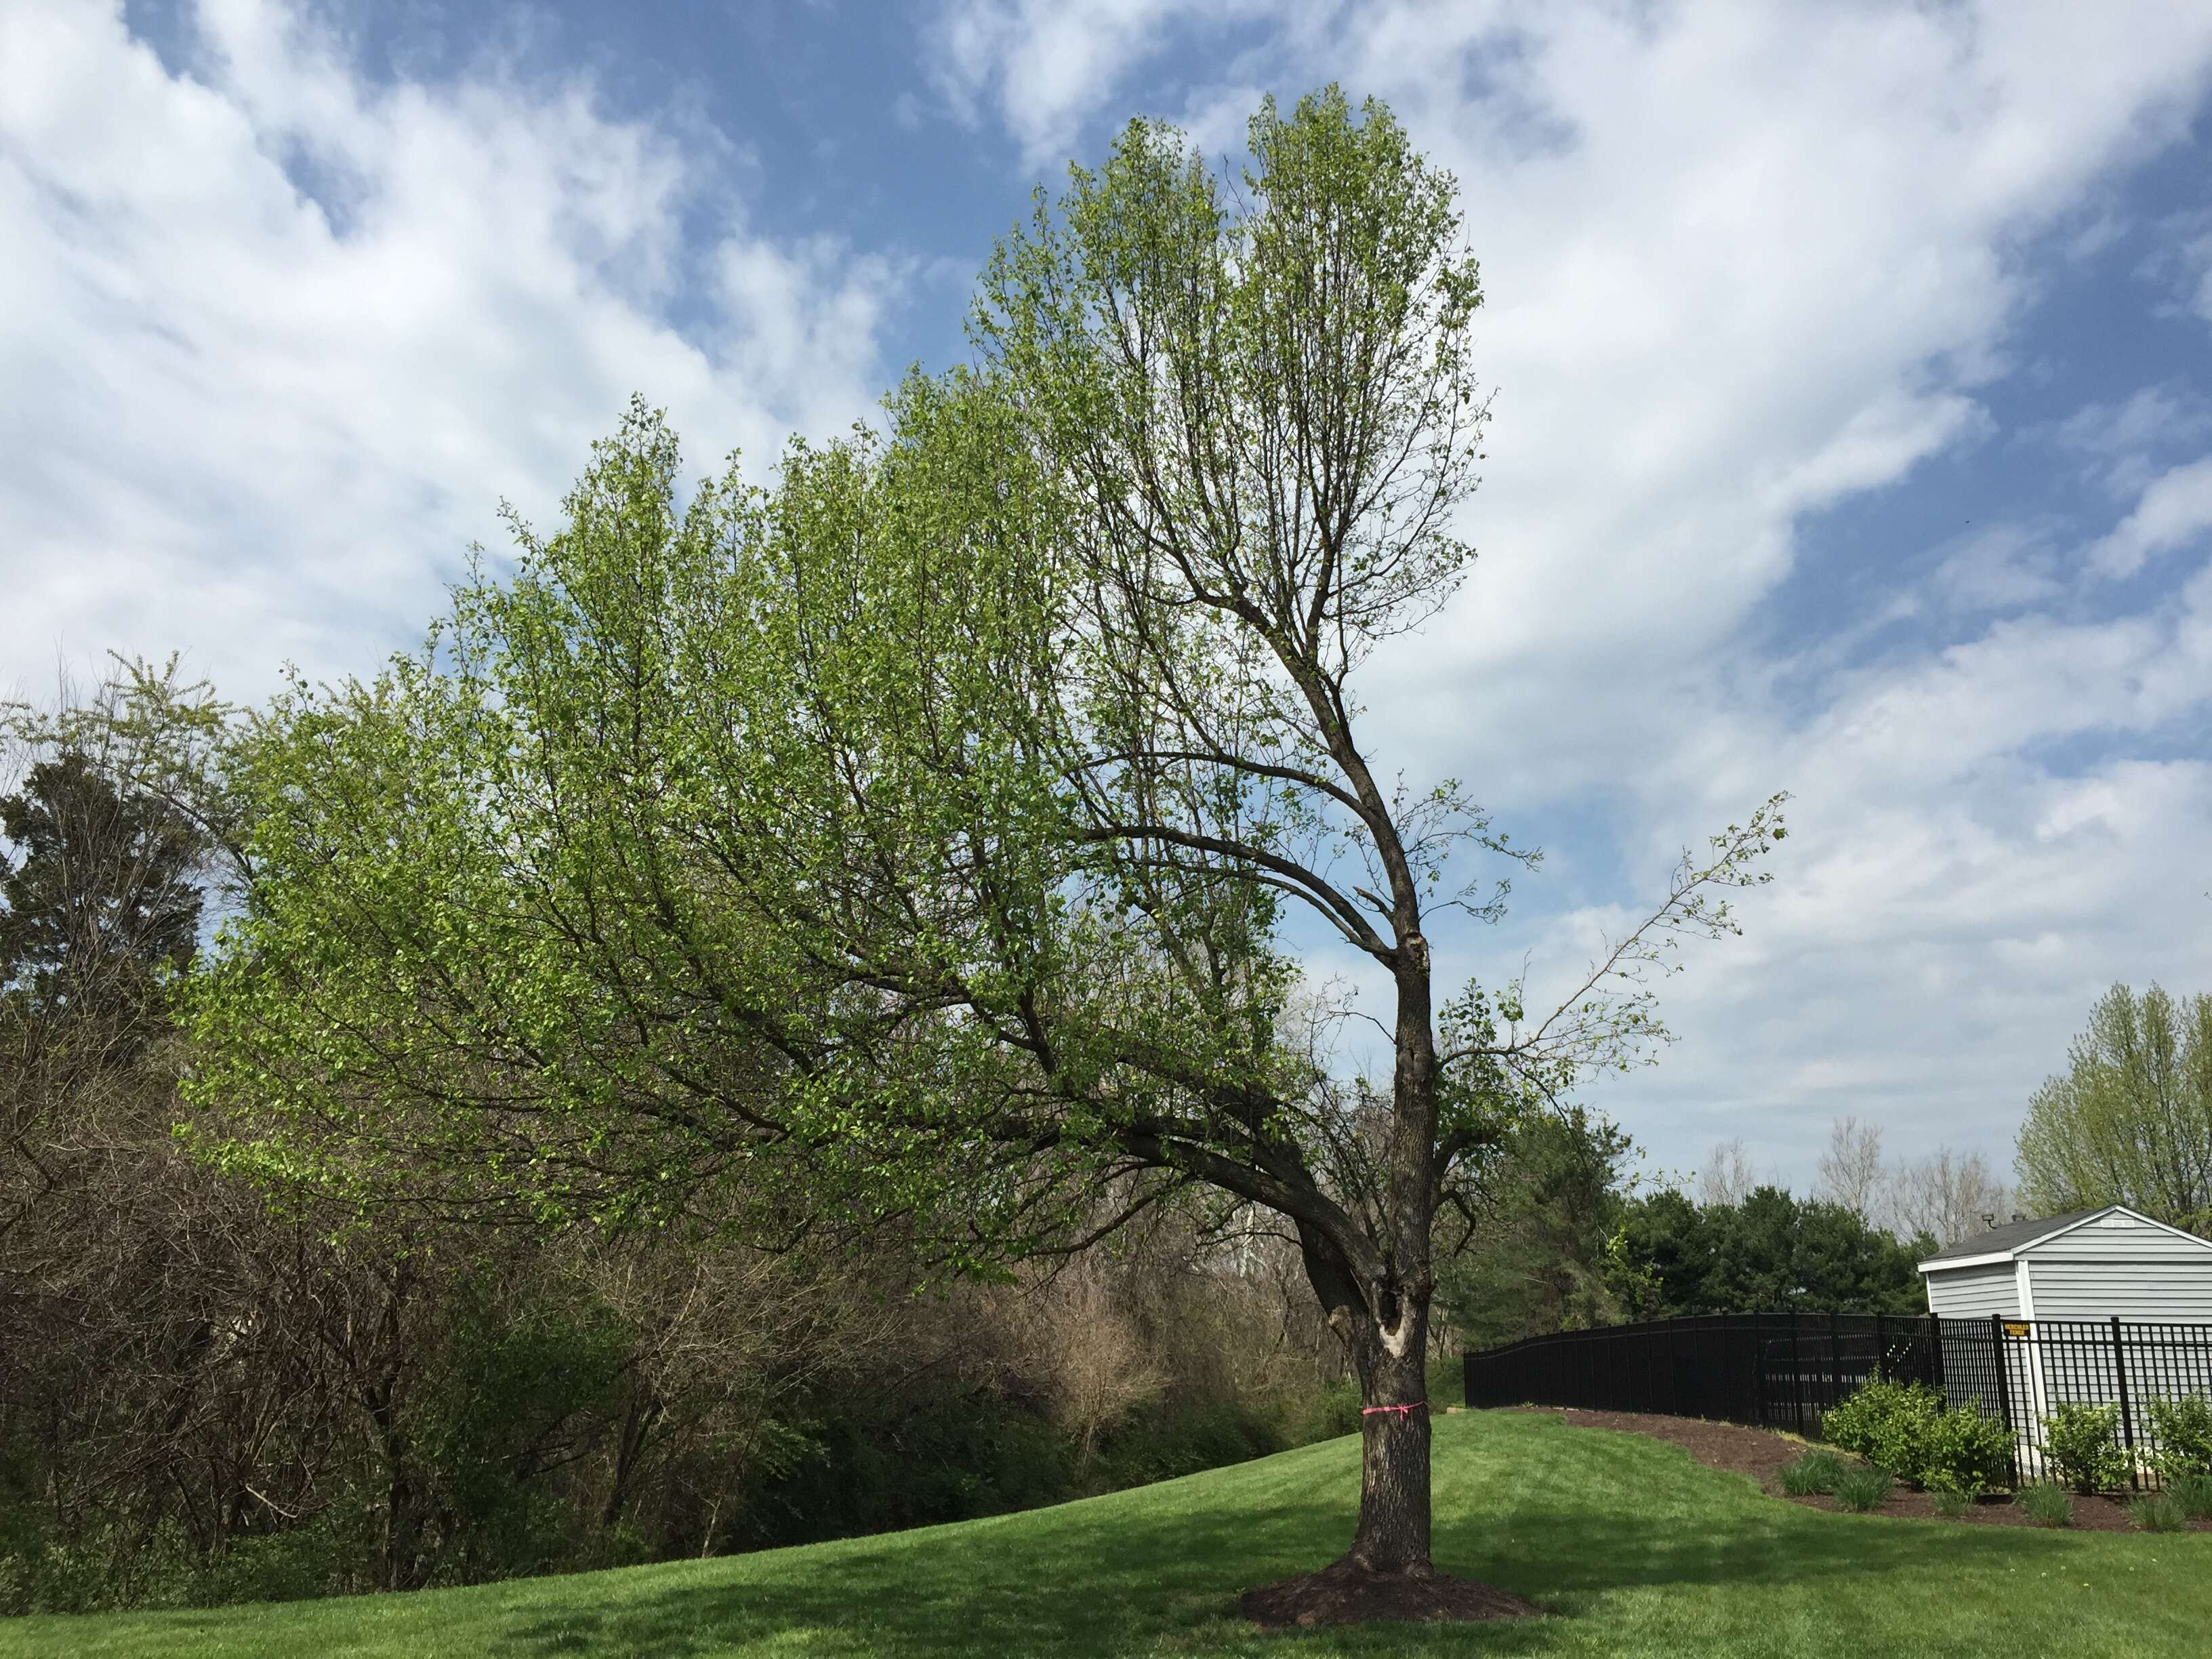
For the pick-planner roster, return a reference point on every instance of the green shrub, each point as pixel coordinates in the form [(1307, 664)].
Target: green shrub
[(1333, 1412), (1963, 1451), (1816, 1471), (512, 1376), (851, 1469), (2083, 1446), (1863, 1489), (2047, 1506), (108, 1569), (2157, 1513), (2194, 1493), (2183, 1429), (280, 1566), (1888, 1424), (1950, 1500), (1905, 1428), (1165, 1442)]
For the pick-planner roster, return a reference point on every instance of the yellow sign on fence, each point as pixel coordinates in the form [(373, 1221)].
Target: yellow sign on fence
[(2016, 1327)]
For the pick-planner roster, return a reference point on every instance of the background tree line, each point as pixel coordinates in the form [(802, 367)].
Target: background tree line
[(1581, 1240), (204, 1396), (218, 1390)]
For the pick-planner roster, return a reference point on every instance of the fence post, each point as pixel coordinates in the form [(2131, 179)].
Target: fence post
[(1935, 1348), (1743, 1369), (1739, 1334), (2127, 1416), (1796, 1377), (1755, 1409), (1835, 1358), (2004, 1383)]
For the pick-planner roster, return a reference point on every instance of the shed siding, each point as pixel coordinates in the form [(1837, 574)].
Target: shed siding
[(2119, 1237), (2177, 1292), (1971, 1292)]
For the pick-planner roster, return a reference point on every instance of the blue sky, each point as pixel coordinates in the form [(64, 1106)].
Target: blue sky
[(1854, 420)]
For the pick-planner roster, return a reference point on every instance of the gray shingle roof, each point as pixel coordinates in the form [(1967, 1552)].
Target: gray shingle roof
[(2012, 1235)]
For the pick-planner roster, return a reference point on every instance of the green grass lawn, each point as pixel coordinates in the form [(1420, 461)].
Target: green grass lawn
[(1640, 1551)]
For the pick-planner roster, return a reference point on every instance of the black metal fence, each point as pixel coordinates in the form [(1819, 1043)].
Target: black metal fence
[(1788, 1370)]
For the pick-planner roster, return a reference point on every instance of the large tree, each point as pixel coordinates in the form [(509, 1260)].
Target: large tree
[(2131, 1120), (912, 842), (1260, 409)]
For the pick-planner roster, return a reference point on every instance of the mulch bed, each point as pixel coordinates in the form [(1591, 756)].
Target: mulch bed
[(1347, 1594), (1760, 1453)]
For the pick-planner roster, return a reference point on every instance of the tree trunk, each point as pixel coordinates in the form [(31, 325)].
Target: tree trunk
[(1391, 1360), (1394, 1459), (639, 1417), (401, 1532), (1391, 1345)]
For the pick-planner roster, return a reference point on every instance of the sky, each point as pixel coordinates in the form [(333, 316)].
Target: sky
[(1853, 436)]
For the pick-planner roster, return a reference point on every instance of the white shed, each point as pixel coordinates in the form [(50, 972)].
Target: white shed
[(2054, 1285), (2088, 1264)]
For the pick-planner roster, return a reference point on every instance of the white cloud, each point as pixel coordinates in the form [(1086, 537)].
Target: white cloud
[(2185, 261), (1048, 65), (1765, 274), (1996, 568), (1982, 839), (2124, 439), (2176, 508), (259, 422)]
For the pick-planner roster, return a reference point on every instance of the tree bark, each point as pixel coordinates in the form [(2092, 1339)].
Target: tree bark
[(1392, 1350), (642, 1411), (1391, 1361), (1393, 1535)]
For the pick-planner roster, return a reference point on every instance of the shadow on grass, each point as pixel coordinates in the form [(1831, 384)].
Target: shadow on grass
[(1093, 1591)]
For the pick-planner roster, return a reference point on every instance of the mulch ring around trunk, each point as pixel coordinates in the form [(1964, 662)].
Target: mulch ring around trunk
[(1346, 1593), (1760, 1453)]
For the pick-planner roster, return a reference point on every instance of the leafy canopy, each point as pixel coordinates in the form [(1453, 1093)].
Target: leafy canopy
[(908, 840), (2131, 1120)]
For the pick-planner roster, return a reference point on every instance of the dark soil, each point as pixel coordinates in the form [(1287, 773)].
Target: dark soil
[(1346, 1593), (1760, 1453)]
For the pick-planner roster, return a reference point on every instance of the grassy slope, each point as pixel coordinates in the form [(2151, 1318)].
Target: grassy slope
[(1643, 1551)]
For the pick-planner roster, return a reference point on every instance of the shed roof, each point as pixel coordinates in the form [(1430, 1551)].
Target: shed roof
[(2002, 1241), (2004, 1244)]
